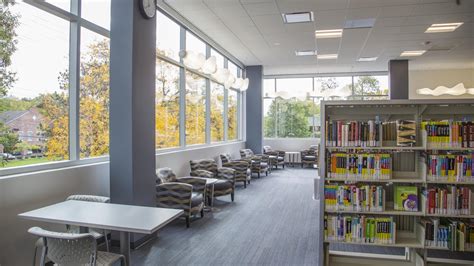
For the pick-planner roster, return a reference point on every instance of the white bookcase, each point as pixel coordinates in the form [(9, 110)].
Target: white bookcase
[(408, 167)]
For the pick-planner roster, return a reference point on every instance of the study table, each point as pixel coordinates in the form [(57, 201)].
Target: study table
[(125, 219)]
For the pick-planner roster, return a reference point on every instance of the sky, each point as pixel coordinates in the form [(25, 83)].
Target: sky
[(43, 45)]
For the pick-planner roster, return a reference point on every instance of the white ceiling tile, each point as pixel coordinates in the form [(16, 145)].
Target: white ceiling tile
[(262, 9), (362, 13)]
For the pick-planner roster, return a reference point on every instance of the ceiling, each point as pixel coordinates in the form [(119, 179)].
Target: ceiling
[(253, 31)]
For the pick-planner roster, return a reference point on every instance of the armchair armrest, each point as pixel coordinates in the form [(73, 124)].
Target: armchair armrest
[(226, 173), (274, 153), (202, 173)]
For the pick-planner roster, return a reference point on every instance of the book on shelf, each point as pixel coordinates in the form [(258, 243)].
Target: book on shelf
[(448, 134), (449, 200), (360, 165), (450, 167), (405, 198), (354, 198), (360, 229), (451, 234), (353, 133), (406, 133)]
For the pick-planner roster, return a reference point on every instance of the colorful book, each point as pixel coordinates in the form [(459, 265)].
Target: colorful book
[(405, 198)]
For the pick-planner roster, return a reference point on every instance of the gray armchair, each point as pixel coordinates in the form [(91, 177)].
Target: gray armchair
[(310, 156), (276, 157), (207, 168), (242, 169), (259, 163)]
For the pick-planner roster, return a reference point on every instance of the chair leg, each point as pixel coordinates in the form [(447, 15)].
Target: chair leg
[(34, 256), (106, 241), (258, 174), (232, 196), (245, 184), (202, 213), (187, 221), (43, 256), (266, 173)]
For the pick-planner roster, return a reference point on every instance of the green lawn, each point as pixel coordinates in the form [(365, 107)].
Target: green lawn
[(18, 162)]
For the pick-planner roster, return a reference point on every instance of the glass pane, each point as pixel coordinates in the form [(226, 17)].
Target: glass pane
[(34, 92), (294, 87), (195, 44), (219, 58), (97, 12), (371, 87), (232, 68), (63, 4), (167, 105), (94, 95), (232, 116), (269, 87), (333, 88), (167, 37), (217, 112), (269, 121), (195, 109)]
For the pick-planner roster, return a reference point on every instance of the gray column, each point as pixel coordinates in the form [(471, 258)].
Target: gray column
[(132, 105), (254, 108), (398, 79)]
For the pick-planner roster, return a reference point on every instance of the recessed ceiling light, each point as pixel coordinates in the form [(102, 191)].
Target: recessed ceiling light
[(443, 27), (327, 56), (367, 59), (305, 53), (297, 17), (322, 34), (276, 43), (413, 53)]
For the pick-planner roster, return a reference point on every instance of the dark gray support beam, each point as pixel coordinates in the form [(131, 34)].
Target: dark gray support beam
[(254, 106), (398, 79), (132, 105)]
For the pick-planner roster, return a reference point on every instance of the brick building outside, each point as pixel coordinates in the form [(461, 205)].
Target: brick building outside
[(26, 124)]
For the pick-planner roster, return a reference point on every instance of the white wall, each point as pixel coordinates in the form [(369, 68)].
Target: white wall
[(24, 192), (440, 77)]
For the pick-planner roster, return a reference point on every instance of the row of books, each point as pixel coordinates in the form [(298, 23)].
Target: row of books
[(451, 200), (360, 229), (443, 134), (450, 167), (353, 133), (360, 165), (354, 198), (455, 235)]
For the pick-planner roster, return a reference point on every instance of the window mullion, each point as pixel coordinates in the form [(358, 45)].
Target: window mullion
[(226, 107), (208, 101), (74, 81), (182, 93)]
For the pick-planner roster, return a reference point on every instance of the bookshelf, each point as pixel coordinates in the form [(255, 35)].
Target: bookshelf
[(342, 125)]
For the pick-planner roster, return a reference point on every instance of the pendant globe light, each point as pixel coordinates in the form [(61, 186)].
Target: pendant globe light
[(245, 85), (238, 83), (192, 59), (210, 66), (221, 75)]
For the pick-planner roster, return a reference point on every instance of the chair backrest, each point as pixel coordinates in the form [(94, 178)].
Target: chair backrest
[(204, 164), (225, 158), (165, 175), (68, 248), (174, 195), (246, 153), (199, 184), (267, 149), (91, 198)]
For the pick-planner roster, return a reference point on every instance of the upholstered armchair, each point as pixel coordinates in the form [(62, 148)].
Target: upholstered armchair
[(184, 193), (241, 167), (259, 163), (207, 168), (276, 157), (310, 156)]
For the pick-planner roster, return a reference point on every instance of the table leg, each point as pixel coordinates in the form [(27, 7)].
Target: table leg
[(125, 246), (212, 197)]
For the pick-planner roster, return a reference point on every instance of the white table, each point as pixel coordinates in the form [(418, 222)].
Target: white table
[(115, 217)]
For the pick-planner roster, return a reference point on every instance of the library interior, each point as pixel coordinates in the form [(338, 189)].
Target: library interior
[(237, 132)]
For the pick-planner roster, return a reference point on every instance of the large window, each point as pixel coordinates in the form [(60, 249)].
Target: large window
[(291, 105), (167, 105), (94, 95), (195, 109), (34, 92), (217, 112), (167, 37), (96, 11)]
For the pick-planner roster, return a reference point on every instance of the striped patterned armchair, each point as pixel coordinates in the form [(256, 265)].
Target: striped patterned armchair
[(310, 156), (180, 193), (241, 167), (207, 168), (276, 157), (259, 163)]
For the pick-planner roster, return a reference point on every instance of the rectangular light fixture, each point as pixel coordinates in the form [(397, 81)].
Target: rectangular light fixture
[(359, 23), (443, 27), (367, 59), (323, 34), (413, 53), (306, 53), (327, 56), (297, 17)]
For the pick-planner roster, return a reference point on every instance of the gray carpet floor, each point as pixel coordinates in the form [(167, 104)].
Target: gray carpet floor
[(272, 222)]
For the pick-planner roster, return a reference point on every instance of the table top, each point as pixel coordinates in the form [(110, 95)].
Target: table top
[(209, 181), (116, 217), (292, 152)]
